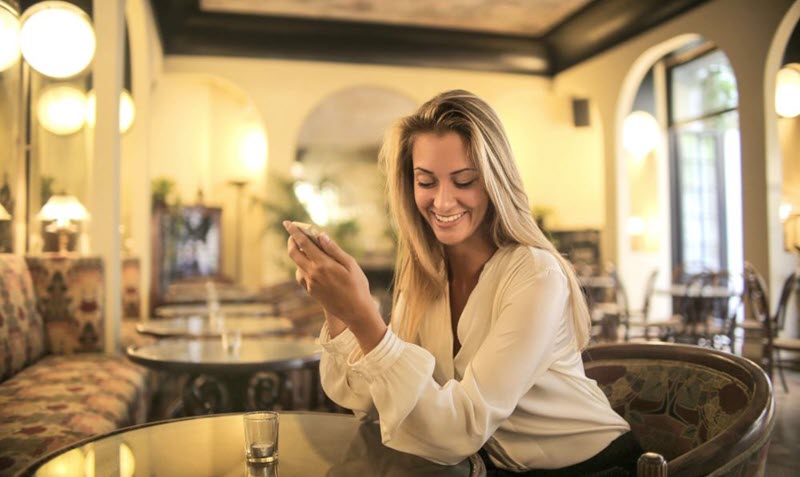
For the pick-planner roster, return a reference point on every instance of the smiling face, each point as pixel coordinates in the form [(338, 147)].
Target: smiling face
[(447, 189)]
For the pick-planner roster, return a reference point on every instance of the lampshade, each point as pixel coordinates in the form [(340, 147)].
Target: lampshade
[(127, 110), (63, 209), (9, 36), (57, 38), (61, 109), (4, 215), (640, 133), (787, 91)]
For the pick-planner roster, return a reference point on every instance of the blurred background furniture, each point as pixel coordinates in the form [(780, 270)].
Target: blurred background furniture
[(705, 411), (57, 386), (773, 343)]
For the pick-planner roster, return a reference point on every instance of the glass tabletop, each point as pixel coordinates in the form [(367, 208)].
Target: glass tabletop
[(210, 356), (202, 327), (309, 445), (228, 309)]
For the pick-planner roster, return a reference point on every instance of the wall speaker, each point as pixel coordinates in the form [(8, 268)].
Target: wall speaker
[(580, 112)]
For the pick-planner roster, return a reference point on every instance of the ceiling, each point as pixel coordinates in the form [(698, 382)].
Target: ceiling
[(539, 37)]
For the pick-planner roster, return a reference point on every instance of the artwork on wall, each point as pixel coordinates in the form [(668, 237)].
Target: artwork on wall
[(187, 244)]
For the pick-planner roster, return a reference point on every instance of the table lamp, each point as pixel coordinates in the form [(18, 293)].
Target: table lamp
[(62, 210)]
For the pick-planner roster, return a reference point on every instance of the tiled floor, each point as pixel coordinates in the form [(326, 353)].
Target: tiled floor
[(784, 449)]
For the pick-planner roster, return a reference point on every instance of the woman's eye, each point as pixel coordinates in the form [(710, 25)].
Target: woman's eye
[(464, 185), (425, 185)]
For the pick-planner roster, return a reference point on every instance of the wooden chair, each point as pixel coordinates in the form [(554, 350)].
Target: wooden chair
[(772, 324), (704, 411)]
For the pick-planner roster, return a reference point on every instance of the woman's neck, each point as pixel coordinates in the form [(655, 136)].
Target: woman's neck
[(465, 261)]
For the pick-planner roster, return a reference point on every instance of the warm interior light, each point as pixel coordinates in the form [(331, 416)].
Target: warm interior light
[(127, 461), (635, 226), (253, 151), (640, 133), (62, 210), (69, 464), (9, 37), (787, 91), (4, 215), (784, 211), (60, 109), (57, 39), (127, 110)]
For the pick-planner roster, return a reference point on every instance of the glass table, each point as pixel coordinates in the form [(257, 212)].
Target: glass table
[(227, 309), (309, 445), (202, 327), (221, 380)]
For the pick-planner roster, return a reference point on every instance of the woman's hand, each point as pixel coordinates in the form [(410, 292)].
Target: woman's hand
[(334, 279)]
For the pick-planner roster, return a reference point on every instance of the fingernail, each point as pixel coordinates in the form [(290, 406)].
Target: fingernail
[(324, 238), (286, 224)]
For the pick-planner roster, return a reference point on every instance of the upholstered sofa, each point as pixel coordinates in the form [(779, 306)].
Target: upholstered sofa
[(56, 385)]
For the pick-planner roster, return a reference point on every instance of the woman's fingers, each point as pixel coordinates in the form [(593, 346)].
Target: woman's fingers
[(334, 251), (297, 255), (304, 243), (298, 276)]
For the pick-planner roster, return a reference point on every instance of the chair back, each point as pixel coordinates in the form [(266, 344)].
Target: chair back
[(780, 313), (649, 289), (705, 411)]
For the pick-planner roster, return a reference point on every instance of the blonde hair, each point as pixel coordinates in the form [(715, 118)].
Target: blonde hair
[(420, 272)]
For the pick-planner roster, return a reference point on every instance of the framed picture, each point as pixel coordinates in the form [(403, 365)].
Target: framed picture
[(187, 244)]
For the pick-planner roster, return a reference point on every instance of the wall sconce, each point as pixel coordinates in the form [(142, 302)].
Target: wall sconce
[(640, 134), (127, 110), (57, 39), (9, 36), (787, 91), (63, 210), (61, 108)]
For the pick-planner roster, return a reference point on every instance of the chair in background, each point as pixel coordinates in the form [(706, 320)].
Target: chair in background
[(758, 298), (637, 323), (706, 412)]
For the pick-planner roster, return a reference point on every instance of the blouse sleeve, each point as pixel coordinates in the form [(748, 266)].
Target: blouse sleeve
[(345, 388), (446, 423)]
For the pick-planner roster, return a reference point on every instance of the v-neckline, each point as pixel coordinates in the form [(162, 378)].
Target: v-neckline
[(454, 329)]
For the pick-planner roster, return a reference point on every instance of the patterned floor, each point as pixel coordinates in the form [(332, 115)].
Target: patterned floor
[(784, 458)]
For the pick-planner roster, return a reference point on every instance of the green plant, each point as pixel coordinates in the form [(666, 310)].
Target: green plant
[(162, 188)]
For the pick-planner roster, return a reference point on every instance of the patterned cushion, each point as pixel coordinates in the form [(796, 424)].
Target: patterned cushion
[(63, 399), (21, 329), (672, 407), (70, 296)]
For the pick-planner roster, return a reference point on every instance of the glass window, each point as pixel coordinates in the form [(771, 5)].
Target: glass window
[(703, 86)]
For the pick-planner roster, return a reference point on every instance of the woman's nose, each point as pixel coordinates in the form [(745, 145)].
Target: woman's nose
[(444, 198)]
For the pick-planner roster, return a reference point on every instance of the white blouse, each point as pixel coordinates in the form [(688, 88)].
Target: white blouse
[(516, 387)]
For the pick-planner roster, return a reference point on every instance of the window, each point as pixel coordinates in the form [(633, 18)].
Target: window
[(704, 151)]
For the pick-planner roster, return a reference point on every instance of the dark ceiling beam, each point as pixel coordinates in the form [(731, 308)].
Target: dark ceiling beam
[(605, 23), (186, 30), (602, 24)]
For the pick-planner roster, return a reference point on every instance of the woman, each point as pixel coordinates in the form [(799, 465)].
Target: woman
[(483, 348)]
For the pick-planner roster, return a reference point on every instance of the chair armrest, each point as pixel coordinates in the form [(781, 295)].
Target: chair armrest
[(651, 464)]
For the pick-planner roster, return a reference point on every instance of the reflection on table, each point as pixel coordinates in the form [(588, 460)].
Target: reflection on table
[(227, 309), (309, 445), (255, 376), (202, 327)]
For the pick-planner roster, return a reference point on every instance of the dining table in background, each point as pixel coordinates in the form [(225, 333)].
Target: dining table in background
[(309, 445), (226, 309), (262, 374), (203, 327)]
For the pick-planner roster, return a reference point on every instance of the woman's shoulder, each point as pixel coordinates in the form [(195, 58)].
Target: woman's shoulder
[(531, 259)]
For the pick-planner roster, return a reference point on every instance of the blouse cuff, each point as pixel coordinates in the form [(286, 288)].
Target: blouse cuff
[(342, 344), (377, 361)]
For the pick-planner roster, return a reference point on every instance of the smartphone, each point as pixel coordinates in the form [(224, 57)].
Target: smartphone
[(311, 231)]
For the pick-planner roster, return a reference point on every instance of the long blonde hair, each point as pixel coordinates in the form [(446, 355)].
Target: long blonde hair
[(420, 272)]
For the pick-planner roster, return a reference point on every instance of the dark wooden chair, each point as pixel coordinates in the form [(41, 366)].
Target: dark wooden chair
[(637, 323), (772, 324), (704, 411)]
